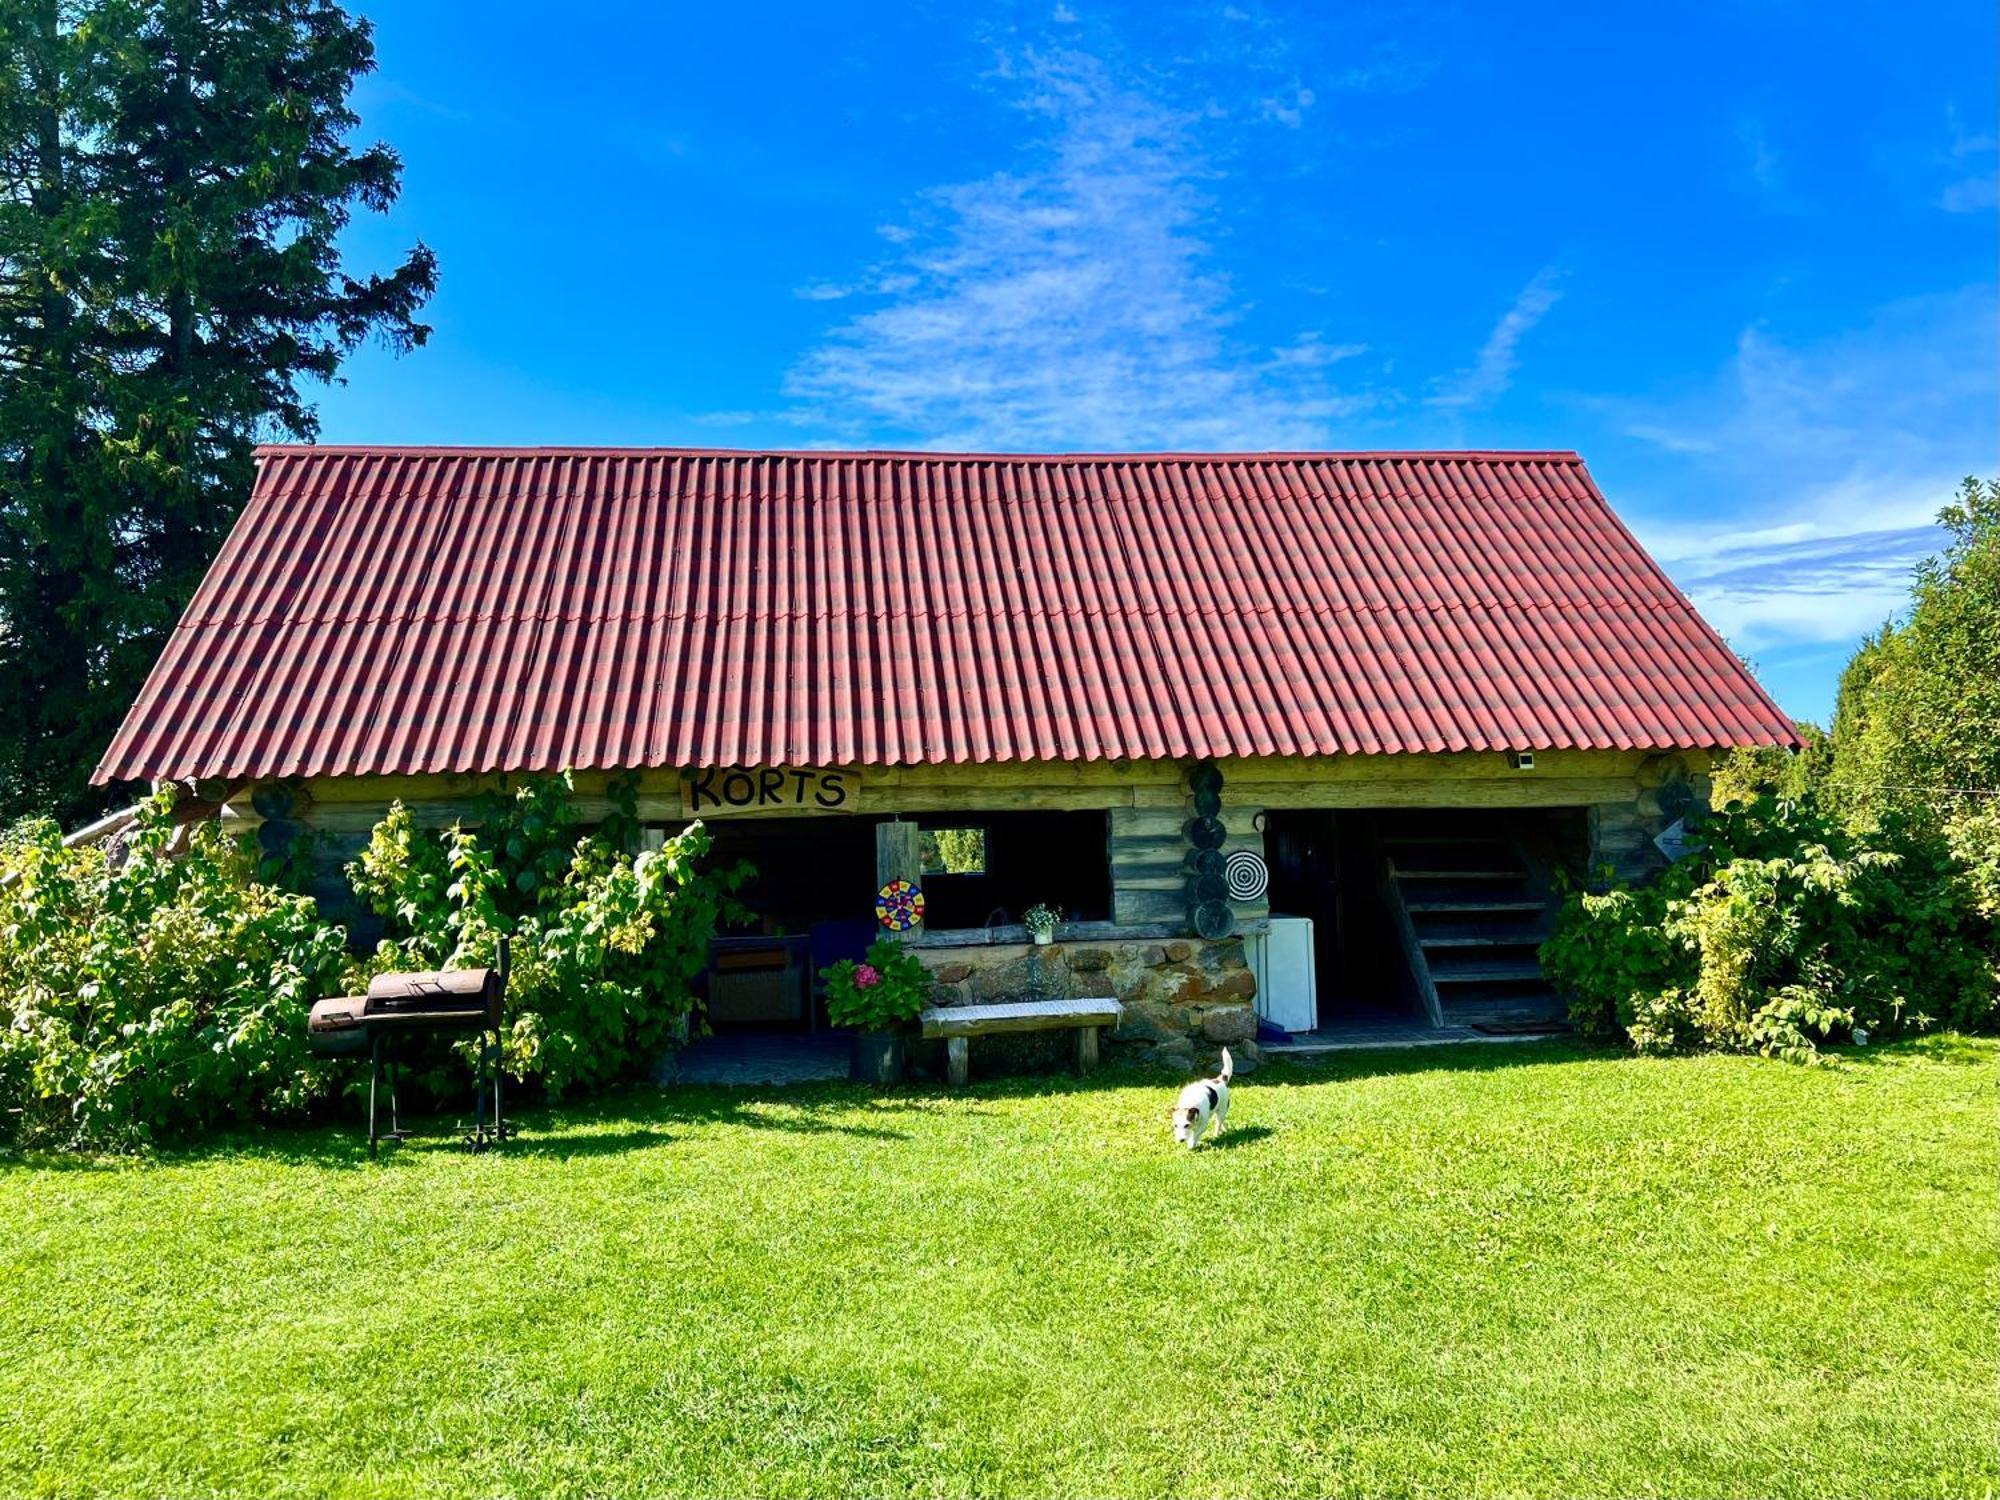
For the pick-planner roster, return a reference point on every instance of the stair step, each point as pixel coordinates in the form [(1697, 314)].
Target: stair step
[(1457, 1017), (1528, 1008), (1485, 972), (1465, 874), (1479, 940)]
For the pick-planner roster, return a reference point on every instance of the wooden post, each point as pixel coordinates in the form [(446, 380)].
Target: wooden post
[(899, 856), (1086, 1049), (957, 1060)]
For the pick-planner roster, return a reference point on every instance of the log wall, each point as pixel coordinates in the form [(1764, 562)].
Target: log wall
[(1630, 796)]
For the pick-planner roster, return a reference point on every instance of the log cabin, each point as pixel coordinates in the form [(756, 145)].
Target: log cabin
[(1331, 721)]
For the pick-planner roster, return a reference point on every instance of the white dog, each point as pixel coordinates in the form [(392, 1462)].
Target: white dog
[(1203, 1101)]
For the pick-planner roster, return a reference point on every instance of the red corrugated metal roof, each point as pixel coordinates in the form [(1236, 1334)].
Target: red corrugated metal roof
[(475, 609)]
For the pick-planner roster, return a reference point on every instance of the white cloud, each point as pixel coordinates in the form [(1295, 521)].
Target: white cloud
[(1980, 188), (1071, 301), (1969, 195), (1493, 371), (1838, 454), (1760, 157), (1288, 110)]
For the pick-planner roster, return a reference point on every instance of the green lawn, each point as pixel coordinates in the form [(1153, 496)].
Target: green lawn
[(1504, 1270)]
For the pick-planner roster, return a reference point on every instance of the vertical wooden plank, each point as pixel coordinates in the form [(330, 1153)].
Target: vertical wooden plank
[(898, 856), (1086, 1049), (957, 1061)]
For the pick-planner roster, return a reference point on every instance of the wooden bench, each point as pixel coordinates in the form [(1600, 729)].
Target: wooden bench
[(959, 1024)]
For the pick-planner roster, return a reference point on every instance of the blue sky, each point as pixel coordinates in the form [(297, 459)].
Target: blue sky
[(1744, 262)]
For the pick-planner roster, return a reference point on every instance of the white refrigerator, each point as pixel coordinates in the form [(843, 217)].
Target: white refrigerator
[(1287, 981)]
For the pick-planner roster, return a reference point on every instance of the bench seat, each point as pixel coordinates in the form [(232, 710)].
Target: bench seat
[(958, 1024)]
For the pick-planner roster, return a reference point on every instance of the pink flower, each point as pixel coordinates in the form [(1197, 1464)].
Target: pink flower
[(866, 976)]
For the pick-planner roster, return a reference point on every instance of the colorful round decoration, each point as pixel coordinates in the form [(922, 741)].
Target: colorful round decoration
[(1247, 876), (899, 905)]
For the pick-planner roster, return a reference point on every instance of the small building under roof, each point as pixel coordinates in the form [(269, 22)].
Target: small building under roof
[(1422, 682)]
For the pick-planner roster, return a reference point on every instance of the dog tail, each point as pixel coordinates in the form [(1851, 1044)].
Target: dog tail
[(1228, 1068)]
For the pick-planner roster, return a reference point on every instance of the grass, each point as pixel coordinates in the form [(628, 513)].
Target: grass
[(1492, 1271)]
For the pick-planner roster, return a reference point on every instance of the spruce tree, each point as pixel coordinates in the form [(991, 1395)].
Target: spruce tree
[(174, 179)]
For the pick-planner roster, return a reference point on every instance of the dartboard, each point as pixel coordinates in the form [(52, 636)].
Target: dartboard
[(899, 905), (1246, 875)]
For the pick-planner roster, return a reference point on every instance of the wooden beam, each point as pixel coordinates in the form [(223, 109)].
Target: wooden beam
[(899, 856), (1527, 789), (1143, 779)]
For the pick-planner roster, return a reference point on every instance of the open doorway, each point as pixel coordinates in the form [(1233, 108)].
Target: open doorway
[(1425, 917), (809, 905), (1323, 867)]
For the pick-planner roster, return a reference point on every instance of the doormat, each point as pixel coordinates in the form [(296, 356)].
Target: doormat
[(1521, 1028)]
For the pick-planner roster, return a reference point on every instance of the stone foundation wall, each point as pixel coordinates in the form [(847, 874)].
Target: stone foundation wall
[(1185, 998)]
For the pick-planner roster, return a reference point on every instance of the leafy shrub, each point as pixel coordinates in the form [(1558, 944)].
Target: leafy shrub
[(1610, 954), (1782, 930), (606, 945), (880, 994), (1974, 841), (1918, 717), (141, 1002)]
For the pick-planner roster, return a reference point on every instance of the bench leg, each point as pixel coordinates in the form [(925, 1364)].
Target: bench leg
[(1086, 1049), (957, 1061)]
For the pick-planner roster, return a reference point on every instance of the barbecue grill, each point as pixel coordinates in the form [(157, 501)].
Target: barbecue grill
[(401, 1007)]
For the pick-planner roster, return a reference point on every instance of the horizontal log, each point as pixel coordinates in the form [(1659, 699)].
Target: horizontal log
[(1149, 822), (1463, 765), (1140, 906), (1146, 798), (1530, 789)]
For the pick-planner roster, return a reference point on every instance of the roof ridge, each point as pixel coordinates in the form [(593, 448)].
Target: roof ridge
[(1131, 456)]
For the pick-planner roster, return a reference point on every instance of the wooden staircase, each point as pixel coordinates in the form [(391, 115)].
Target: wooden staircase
[(1473, 909)]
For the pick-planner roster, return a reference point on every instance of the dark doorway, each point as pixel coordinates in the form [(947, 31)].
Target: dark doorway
[(1324, 865), (811, 903), (1420, 908)]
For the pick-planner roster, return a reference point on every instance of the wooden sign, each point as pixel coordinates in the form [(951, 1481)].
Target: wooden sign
[(772, 791)]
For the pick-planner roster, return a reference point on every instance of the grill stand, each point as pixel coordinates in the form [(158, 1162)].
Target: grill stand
[(488, 1067), (376, 1064), (488, 1070)]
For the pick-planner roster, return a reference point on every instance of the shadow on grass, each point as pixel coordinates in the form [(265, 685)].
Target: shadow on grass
[(1236, 1138), (643, 1117)]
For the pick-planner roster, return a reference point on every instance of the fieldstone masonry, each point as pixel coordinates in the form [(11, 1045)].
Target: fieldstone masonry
[(1185, 998)]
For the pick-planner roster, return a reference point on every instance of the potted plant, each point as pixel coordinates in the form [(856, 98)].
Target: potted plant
[(1040, 920), (879, 997)]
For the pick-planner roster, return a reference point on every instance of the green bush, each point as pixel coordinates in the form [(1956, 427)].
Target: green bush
[(880, 994), (1918, 718), (146, 998), (1974, 841), (1782, 930), (1610, 952), (606, 944), (143, 1000)]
